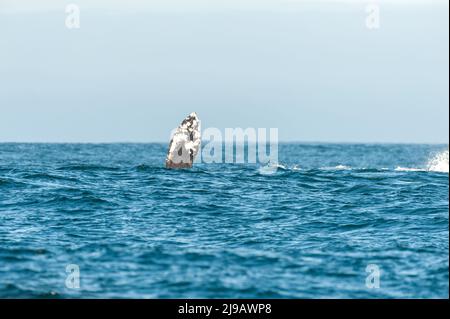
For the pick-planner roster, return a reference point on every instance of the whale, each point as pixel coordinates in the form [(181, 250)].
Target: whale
[(184, 144)]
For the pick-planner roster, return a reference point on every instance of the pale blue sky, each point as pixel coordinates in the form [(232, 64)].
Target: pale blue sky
[(311, 68)]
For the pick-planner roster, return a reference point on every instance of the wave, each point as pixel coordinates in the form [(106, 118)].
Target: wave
[(439, 163), (271, 169), (88, 167), (337, 168), (409, 169)]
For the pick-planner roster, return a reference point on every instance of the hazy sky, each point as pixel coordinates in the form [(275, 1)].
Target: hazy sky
[(312, 69)]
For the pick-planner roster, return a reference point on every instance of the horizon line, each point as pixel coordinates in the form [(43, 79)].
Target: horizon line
[(225, 141)]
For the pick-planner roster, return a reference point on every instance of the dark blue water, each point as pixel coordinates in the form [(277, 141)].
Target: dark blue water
[(308, 230)]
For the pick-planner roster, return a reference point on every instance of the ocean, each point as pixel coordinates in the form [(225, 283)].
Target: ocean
[(333, 221)]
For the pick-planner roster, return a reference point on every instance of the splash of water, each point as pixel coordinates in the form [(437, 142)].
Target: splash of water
[(439, 163)]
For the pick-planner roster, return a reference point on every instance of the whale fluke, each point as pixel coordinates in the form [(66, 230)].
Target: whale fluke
[(185, 143)]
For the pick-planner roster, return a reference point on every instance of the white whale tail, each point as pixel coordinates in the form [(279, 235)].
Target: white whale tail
[(185, 143)]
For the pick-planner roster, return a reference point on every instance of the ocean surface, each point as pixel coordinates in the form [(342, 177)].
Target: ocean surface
[(309, 229)]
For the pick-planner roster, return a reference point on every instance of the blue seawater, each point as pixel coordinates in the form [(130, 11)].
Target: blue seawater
[(307, 230)]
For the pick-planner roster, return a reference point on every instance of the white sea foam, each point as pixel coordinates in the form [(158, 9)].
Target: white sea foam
[(337, 168), (409, 169), (343, 167), (439, 163), (270, 169)]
